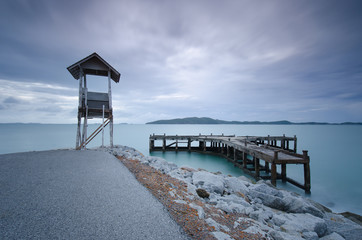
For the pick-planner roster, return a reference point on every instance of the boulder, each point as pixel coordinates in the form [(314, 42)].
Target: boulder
[(343, 226), (234, 185), (310, 235), (182, 175), (297, 204), (282, 200), (247, 181), (224, 206), (161, 164), (277, 235), (212, 223), (261, 216), (268, 200), (278, 219), (332, 236), (247, 210), (254, 230), (232, 198), (221, 236), (266, 189), (202, 193), (299, 223), (209, 181), (237, 208), (200, 210)]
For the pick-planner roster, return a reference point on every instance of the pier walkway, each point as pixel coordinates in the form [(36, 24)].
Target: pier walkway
[(253, 154), (68, 194)]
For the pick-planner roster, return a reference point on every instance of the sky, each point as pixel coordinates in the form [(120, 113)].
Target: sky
[(231, 60)]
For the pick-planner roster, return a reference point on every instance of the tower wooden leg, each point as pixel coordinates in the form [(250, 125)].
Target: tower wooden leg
[(77, 144)]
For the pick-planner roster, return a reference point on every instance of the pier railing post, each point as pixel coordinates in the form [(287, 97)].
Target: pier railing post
[(295, 144), (189, 144), (306, 172)]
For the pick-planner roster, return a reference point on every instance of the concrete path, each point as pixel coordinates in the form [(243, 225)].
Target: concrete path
[(67, 194)]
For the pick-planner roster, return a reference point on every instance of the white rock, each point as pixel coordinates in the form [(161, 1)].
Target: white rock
[(221, 236), (332, 236), (212, 223), (261, 215), (246, 180), (264, 188), (254, 230), (298, 223), (232, 198), (161, 164), (310, 235), (277, 235), (298, 204), (343, 226), (224, 206), (209, 181), (172, 193), (180, 201), (236, 185), (237, 208), (248, 210), (200, 210), (278, 219)]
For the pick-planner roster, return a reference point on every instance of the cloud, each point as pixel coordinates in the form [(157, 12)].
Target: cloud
[(36, 102), (234, 60), (11, 100)]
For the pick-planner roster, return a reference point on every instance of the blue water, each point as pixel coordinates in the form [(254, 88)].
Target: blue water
[(335, 152)]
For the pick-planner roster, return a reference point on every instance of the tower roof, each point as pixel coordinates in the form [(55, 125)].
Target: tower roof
[(94, 65)]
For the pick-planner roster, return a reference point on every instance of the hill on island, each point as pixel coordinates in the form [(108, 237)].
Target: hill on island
[(206, 120)]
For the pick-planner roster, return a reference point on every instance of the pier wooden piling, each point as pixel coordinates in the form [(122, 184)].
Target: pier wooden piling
[(253, 154)]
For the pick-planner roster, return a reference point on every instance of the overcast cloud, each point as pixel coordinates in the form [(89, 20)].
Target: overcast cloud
[(230, 60)]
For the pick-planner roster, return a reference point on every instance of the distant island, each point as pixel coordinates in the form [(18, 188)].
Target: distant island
[(206, 120)]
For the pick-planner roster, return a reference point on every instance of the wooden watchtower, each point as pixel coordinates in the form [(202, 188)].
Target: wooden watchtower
[(93, 104)]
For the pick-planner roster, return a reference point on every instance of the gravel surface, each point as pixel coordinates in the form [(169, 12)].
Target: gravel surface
[(66, 194)]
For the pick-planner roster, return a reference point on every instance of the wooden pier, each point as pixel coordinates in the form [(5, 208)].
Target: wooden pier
[(254, 155)]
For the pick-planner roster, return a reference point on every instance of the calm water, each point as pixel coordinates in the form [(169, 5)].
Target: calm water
[(335, 152)]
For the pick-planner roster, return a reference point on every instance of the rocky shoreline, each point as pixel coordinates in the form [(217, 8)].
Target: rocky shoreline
[(263, 210)]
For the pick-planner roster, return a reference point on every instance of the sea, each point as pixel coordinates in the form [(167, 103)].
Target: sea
[(335, 152)]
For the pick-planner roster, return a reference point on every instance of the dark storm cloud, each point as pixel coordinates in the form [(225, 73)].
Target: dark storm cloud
[(234, 60), (11, 100)]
